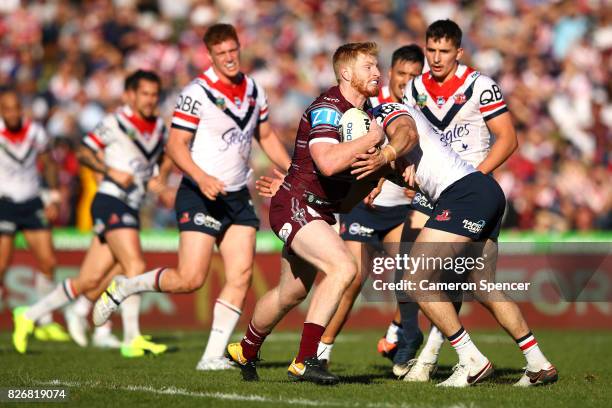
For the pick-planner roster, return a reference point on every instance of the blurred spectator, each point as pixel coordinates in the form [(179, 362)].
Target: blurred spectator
[(553, 60)]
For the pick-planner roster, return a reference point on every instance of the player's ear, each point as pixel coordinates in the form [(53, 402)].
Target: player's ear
[(346, 73), (459, 53)]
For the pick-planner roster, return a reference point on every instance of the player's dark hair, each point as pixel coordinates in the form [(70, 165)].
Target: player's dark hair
[(6, 90), (217, 33), (132, 82), (410, 53), (444, 29)]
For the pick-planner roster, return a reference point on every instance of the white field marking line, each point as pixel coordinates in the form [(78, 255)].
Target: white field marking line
[(238, 397), (279, 337)]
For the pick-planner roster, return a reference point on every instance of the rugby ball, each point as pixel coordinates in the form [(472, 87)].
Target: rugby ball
[(354, 123)]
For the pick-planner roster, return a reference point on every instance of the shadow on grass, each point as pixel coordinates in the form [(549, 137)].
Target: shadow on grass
[(501, 375)]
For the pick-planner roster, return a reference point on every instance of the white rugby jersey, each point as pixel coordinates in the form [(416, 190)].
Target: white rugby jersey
[(223, 119), (129, 144), (438, 165), (459, 109), (19, 177), (391, 194)]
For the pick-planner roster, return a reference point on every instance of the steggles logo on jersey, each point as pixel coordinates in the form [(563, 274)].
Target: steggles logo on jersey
[(455, 134), (234, 136), (421, 100)]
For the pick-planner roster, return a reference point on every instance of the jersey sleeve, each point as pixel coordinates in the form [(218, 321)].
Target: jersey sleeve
[(387, 113), (324, 120), (188, 108), (262, 102), (101, 136), (491, 100)]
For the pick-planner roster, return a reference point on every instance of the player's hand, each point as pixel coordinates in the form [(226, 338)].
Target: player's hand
[(368, 163), (410, 176), (369, 200), (167, 197), (409, 193), (268, 186), (52, 211), (122, 178), (211, 186), (376, 133), (156, 186)]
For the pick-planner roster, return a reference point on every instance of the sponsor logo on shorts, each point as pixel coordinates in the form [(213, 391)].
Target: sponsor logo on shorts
[(7, 226), (298, 214), (184, 218), (207, 221), (129, 219), (444, 216), (358, 229), (421, 199), (98, 226), (474, 227), (342, 228), (40, 214), (285, 231), (113, 219)]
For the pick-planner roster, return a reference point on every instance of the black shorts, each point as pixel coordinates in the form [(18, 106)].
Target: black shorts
[(28, 215), (422, 203), (370, 225), (472, 207), (195, 212), (109, 213)]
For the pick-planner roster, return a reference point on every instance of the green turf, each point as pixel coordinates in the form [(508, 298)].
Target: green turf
[(104, 379)]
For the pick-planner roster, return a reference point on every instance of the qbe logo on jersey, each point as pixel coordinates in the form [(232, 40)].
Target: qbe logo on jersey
[(473, 227)]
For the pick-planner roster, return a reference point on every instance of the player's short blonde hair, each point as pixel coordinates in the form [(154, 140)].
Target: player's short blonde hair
[(348, 53)]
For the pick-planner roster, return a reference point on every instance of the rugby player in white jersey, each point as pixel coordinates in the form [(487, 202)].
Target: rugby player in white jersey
[(216, 118), (367, 228), (469, 206), (125, 147), (469, 111), (22, 206)]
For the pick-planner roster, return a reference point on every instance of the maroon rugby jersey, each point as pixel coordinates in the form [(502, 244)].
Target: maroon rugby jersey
[(319, 124)]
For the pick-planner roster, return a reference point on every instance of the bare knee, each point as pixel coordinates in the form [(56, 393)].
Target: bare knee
[(240, 282), (343, 271), (134, 267), (289, 300), (47, 264), (190, 280)]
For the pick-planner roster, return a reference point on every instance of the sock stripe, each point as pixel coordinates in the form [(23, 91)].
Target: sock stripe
[(158, 279), (455, 336), (229, 306), (528, 345), (525, 337), (68, 289), (458, 339)]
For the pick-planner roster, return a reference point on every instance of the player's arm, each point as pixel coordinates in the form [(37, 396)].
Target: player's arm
[(50, 172), (178, 149), (505, 142), (332, 157), (272, 146), (95, 161), (401, 131)]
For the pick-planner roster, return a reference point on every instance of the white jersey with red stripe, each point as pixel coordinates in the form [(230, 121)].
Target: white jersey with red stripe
[(132, 145), (459, 109), (391, 194), (438, 165), (19, 176), (223, 119)]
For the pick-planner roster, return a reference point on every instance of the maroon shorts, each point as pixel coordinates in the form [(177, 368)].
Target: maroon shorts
[(289, 213)]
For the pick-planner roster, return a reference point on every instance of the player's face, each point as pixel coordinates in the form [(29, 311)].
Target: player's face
[(365, 75), (442, 56), (10, 108), (399, 75), (226, 58), (145, 98)]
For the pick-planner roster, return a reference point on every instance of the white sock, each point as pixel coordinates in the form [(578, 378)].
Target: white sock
[(225, 317), (130, 310), (466, 349), (432, 347), (147, 282), (82, 306), (60, 296), (43, 286), (103, 330), (324, 351), (392, 330), (534, 356)]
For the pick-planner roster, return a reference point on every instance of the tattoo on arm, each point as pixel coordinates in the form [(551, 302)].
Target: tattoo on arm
[(89, 159)]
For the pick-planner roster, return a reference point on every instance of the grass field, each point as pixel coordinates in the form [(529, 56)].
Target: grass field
[(102, 378)]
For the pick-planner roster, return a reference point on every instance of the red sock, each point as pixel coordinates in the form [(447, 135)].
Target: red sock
[(252, 341), (311, 336)]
